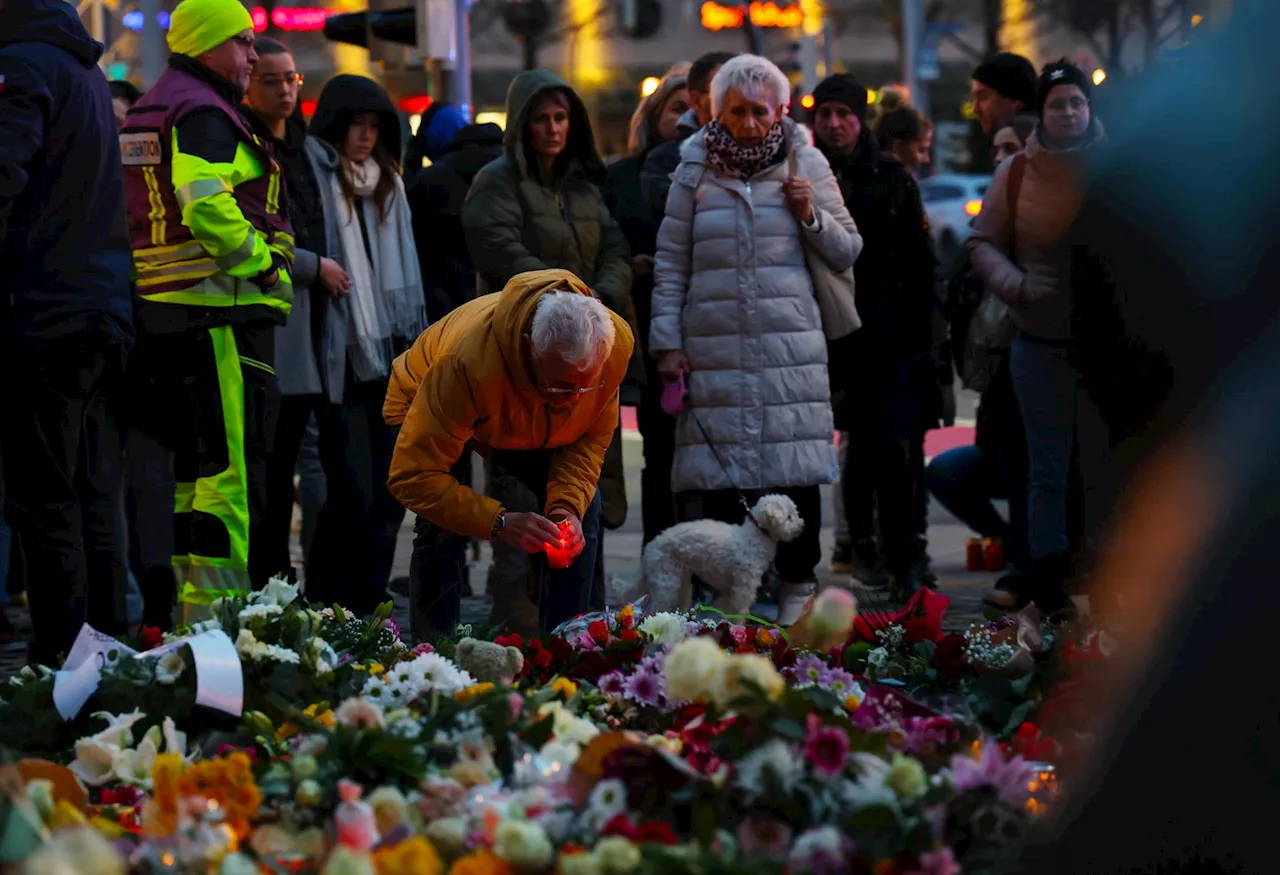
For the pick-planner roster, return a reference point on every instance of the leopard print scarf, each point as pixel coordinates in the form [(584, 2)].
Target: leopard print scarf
[(726, 157)]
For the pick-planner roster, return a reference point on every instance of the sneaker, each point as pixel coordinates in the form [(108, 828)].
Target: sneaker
[(1007, 590), (867, 565), (842, 559), (792, 599)]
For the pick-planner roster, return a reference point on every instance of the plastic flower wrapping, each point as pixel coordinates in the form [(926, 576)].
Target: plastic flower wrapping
[(854, 741)]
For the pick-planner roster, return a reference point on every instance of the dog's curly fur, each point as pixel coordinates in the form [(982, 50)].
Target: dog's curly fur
[(729, 559)]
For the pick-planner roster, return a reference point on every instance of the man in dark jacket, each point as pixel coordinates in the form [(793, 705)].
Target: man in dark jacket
[(436, 195), (66, 317), (663, 159), (881, 373)]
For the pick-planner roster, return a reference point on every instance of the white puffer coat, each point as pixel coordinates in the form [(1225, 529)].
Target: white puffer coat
[(731, 289)]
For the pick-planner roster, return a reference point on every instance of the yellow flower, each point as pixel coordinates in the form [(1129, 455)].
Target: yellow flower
[(625, 614), (907, 778), (413, 856), (375, 669), (325, 718), (465, 696), (564, 687), (852, 703)]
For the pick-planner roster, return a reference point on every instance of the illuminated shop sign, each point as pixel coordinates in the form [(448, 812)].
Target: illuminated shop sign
[(763, 14), (298, 19)]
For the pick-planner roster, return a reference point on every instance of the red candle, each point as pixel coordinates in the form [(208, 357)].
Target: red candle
[(558, 554)]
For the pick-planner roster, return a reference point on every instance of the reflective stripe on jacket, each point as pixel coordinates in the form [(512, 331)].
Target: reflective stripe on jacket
[(202, 231)]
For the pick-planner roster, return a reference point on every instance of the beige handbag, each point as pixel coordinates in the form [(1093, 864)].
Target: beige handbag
[(833, 288)]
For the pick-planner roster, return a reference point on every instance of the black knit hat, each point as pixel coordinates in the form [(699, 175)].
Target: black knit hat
[(1011, 75), (1060, 72), (842, 88)]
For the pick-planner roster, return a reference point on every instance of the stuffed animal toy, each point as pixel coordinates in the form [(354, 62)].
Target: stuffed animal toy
[(729, 559), (488, 662)]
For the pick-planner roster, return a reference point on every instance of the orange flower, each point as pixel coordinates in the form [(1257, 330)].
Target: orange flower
[(413, 856), (765, 638), (463, 697), (226, 784), (482, 862)]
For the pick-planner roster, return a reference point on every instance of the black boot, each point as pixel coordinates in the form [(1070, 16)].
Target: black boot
[(867, 566), (1048, 589)]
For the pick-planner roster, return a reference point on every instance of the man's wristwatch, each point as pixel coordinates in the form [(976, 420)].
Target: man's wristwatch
[(498, 523)]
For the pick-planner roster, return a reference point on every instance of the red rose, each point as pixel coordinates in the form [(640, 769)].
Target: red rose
[(948, 657), (542, 658), (620, 825), (151, 636), (512, 640), (561, 649), (599, 631), (656, 832), (628, 635), (1027, 733)]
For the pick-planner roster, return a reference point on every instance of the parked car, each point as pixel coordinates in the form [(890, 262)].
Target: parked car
[(951, 200)]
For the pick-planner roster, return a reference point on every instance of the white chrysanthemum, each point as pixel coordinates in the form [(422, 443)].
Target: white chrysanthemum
[(665, 628), (432, 672), (170, 667), (378, 690), (250, 612), (276, 654), (608, 799), (568, 727), (775, 758)]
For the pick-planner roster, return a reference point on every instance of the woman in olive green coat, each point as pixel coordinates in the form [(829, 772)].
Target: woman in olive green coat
[(539, 205)]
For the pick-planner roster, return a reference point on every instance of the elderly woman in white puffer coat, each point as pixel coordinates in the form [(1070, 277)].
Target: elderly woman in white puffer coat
[(734, 309)]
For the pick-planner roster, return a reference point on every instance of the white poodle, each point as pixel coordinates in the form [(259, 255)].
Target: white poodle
[(729, 559)]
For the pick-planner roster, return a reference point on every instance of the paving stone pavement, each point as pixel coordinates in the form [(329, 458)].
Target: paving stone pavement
[(947, 539)]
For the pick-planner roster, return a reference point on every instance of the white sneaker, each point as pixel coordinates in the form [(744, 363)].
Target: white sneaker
[(792, 600)]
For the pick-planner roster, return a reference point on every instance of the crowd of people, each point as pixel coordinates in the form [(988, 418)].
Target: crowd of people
[(219, 311)]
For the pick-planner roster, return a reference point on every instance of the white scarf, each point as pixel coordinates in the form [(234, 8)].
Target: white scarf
[(386, 307)]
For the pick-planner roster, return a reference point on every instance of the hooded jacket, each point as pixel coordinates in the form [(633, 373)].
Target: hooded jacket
[(1035, 278), (437, 195), (465, 385), (516, 220), (64, 233), (345, 96), (661, 161)]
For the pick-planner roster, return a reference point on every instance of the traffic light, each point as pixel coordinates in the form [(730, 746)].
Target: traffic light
[(393, 25), (640, 19)]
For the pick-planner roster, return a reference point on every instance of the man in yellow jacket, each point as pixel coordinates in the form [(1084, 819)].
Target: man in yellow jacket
[(529, 378)]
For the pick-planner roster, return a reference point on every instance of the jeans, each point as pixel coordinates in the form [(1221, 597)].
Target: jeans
[(63, 477), (964, 480), (1059, 419), (438, 571), (355, 540)]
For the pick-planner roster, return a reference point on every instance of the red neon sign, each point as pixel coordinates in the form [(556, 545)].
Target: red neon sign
[(299, 19), (414, 104)]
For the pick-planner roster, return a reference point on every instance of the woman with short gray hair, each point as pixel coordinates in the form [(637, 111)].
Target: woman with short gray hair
[(734, 309)]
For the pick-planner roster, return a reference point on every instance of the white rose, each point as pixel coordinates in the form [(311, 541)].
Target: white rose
[(617, 855), (170, 667), (523, 844), (665, 628), (691, 669)]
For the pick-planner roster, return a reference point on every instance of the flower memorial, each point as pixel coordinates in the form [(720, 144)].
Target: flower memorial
[(867, 742)]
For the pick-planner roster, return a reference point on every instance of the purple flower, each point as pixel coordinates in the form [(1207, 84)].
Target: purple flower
[(395, 629), (809, 670), (611, 683), (838, 681), (645, 688), (1008, 778)]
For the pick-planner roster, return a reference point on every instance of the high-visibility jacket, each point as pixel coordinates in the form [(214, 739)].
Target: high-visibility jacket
[(202, 231)]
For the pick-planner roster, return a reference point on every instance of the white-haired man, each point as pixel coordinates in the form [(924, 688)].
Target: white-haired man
[(529, 378)]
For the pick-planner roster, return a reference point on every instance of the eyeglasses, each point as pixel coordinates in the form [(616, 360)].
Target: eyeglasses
[(290, 79), (558, 393), (1075, 104), (244, 38)]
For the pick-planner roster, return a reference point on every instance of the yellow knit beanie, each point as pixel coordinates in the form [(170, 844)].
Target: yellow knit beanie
[(197, 26)]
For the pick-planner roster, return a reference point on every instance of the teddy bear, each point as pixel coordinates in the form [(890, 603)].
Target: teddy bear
[(489, 662)]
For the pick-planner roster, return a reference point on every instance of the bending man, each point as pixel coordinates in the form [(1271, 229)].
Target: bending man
[(529, 377)]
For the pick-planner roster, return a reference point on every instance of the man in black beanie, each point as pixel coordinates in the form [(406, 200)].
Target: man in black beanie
[(1003, 86), (874, 371)]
